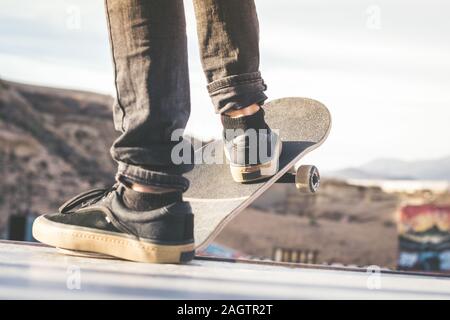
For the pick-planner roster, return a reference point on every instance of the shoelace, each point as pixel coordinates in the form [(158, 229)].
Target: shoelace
[(86, 198)]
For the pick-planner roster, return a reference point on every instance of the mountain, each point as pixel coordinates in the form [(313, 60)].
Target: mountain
[(434, 169), (54, 143)]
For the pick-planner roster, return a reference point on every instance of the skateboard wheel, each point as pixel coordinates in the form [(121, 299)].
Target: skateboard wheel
[(307, 179)]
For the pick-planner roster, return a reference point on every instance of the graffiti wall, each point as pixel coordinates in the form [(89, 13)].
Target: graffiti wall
[(424, 238)]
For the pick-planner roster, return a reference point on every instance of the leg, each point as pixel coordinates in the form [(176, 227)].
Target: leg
[(149, 49), (148, 43), (228, 33)]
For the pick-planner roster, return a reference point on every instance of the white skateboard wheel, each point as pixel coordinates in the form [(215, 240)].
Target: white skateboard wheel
[(307, 179)]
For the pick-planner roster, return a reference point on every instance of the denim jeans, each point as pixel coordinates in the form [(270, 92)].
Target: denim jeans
[(149, 51)]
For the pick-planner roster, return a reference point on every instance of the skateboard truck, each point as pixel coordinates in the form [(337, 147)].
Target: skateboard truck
[(305, 177)]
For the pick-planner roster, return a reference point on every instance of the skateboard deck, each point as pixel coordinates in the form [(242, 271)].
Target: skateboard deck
[(303, 125)]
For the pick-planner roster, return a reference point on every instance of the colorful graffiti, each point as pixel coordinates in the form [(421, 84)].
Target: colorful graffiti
[(424, 238)]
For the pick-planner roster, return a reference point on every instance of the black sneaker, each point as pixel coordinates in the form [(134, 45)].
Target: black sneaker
[(98, 221), (251, 147)]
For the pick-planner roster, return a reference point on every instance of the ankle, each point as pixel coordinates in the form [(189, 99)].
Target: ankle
[(247, 111), (254, 121), (144, 201), (150, 189)]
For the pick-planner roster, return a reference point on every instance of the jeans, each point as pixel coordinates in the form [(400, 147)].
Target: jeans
[(149, 51)]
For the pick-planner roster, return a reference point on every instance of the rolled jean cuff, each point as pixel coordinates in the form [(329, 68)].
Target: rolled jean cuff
[(237, 91), (143, 176)]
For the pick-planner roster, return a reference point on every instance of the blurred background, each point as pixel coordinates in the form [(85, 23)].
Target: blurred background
[(381, 67)]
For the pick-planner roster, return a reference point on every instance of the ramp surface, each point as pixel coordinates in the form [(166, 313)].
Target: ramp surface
[(29, 271)]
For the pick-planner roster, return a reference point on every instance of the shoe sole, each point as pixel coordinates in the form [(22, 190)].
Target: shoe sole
[(90, 240), (257, 172)]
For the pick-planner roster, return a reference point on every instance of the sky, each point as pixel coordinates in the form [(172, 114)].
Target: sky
[(381, 67)]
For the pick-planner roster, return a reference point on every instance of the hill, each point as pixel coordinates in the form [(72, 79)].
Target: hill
[(56, 135), (434, 169)]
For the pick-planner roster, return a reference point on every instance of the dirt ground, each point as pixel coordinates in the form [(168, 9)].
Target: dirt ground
[(345, 223)]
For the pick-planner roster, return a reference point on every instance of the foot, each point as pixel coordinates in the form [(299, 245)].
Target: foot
[(124, 223), (251, 147)]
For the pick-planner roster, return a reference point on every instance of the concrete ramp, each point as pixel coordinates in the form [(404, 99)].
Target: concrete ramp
[(30, 271)]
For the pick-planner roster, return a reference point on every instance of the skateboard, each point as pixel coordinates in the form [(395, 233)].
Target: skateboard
[(303, 125)]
